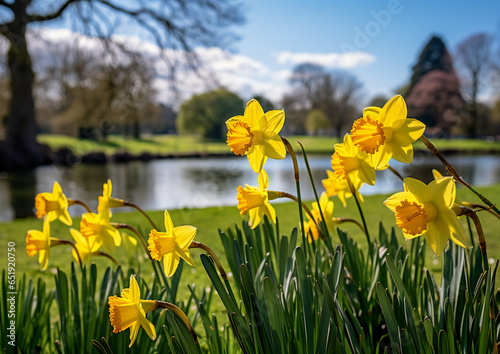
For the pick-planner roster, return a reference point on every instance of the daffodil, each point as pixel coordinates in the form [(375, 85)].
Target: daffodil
[(39, 242), (427, 210), (334, 186), (387, 132), (255, 134), (327, 209), (129, 311), (255, 201), (106, 201), (98, 225), (349, 161), (54, 205), (172, 245), (86, 246)]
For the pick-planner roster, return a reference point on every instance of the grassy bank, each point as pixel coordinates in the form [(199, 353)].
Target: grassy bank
[(208, 221), (173, 144)]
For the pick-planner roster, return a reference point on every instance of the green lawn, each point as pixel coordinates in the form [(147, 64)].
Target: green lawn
[(171, 144), (208, 221)]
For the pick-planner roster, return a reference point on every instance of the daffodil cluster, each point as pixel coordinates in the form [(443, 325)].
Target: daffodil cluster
[(96, 230)]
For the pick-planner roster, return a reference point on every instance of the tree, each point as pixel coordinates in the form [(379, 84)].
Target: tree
[(206, 113), (434, 56), (334, 93), (317, 122), (94, 91), (177, 24), (473, 58)]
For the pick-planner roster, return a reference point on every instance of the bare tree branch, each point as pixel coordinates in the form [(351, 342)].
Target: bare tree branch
[(53, 15), (5, 4)]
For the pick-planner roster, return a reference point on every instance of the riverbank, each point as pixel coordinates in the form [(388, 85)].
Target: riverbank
[(120, 149)]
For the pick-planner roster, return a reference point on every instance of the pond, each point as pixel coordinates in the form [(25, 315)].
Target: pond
[(179, 183)]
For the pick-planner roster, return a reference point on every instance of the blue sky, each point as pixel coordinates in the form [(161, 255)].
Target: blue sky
[(322, 26), (386, 36)]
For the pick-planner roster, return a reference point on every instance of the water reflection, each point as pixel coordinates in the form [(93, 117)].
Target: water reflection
[(209, 182)]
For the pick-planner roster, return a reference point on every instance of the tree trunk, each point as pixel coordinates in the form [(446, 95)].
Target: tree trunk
[(21, 145)]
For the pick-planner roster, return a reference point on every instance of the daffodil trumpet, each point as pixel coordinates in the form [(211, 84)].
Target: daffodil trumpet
[(78, 202), (180, 314), (451, 170), (136, 232), (361, 214), (297, 183)]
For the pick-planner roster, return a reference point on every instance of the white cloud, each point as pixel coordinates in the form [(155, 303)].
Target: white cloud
[(330, 60)]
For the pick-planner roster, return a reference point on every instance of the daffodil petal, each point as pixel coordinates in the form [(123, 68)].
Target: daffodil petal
[(263, 180), (256, 159), (436, 174), (401, 153), (170, 263), (65, 218), (135, 293), (186, 256), (449, 224), (443, 190), (169, 225), (274, 146), (134, 331), (416, 187), (184, 235), (393, 110), (394, 200), (56, 189), (372, 112), (254, 218), (235, 119), (254, 112), (148, 326), (437, 242), (407, 131), (275, 120)]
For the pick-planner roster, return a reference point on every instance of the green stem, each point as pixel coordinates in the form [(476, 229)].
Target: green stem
[(57, 242), (342, 220), (137, 233), (454, 173), (135, 206), (99, 253), (297, 184), (396, 173), (79, 202), (181, 314), (361, 214), (315, 193)]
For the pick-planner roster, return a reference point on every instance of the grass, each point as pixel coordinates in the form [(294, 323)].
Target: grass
[(208, 221), (173, 144)]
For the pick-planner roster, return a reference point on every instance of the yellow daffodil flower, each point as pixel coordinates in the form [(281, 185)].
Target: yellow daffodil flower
[(39, 242), (334, 186), (349, 161), (172, 245), (255, 201), (106, 201), (427, 209), (255, 134), (97, 225), (129, 311), (327, 209), (387, 132), (437, 175), (54, 205), (86, 246)]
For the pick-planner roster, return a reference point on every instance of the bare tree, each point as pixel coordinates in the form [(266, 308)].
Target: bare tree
[(334, 93), (91, 91), (473, 60), (176, 24)]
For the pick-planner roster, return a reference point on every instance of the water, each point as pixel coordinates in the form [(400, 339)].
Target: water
[(179, 183)]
